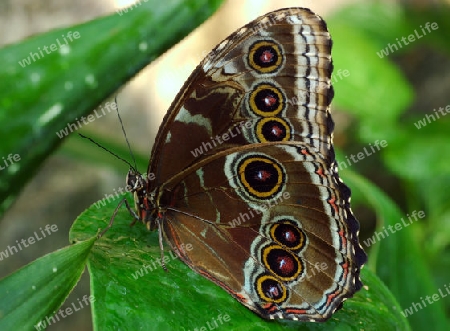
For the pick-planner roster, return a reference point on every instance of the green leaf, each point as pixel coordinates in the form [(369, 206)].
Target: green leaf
[(387, 23), (397, 257), (424, 150), (365, 69), (37, 290), (379, 22), (364, 81), (133, 292), (59, 87)]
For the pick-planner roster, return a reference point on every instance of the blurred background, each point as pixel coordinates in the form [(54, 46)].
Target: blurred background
[(391, 104)]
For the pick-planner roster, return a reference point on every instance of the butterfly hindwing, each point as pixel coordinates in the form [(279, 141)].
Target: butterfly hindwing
[(265, 198)]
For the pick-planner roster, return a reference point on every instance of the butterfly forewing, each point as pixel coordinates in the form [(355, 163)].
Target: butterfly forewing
[(245, 172), (227, 102)]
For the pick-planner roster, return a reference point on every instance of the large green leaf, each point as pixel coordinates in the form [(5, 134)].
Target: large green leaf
[(396, 255), (59, 86), (35, 292), (356, 67), (133, 292), (422, 145)]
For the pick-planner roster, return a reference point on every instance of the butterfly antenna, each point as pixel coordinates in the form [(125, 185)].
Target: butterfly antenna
[(104, 148), (125, 134)]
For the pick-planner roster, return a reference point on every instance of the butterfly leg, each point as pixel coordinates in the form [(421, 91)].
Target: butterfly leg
[(161, 244), (111, 221)]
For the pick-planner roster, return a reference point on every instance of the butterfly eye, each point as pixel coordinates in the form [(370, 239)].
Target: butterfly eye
[(265, 56), (273, 129), (282, 262), (269, 100), (266, 100), (262, 177), (288, 234), (270, 289)]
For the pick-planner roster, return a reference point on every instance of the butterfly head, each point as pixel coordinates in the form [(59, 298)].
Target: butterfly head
[(137, 184)]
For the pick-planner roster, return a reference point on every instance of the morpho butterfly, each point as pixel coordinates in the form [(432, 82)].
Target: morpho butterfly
[(243, 169)]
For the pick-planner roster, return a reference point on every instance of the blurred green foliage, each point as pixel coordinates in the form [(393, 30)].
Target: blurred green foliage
[(413, 261), (377, 95)]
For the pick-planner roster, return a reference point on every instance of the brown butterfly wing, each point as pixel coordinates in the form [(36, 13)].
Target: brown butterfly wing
[(245, 172), (233, 230), (208, 114)]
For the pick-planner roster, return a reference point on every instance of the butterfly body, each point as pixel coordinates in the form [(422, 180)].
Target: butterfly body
[(244, 171)]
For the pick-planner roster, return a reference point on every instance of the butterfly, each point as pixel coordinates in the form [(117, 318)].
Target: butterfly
[(243, 169)]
